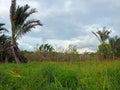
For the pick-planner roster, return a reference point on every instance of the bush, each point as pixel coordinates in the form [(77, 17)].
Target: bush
[(105, 50)]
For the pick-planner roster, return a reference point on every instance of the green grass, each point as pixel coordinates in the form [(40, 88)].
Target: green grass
[(84, 75)]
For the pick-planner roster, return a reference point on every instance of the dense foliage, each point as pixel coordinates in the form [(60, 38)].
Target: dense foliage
[(84, 75)]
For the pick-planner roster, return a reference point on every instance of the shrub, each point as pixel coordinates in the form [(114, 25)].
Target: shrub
[(105, 50)]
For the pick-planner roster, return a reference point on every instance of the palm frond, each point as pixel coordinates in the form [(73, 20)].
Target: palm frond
[(4, 39), (31, 24), (2, 28), (96, 36), (102, 35), (22, 13), (107, 34), (1, 24), (27, 27)]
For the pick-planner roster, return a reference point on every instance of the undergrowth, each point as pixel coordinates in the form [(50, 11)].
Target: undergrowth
[(84, 75)]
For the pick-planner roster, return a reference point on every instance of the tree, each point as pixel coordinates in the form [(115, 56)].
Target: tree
[(104, 48), (115, 45), (4, 46), (102, 35), (20, 24), (72, 49), (3, 42), (46, 48)]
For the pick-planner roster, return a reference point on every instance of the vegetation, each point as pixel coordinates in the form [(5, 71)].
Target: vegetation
[(115, 46), (106, 50), (102, 35), (72, 49), (66, 70), (46, 48), (84, 75), (4, 43)]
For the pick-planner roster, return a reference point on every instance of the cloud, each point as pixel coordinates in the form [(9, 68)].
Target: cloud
[(68, 5), (83, 50), (4, 10), (24, 46), (82, 43), (67, 22)]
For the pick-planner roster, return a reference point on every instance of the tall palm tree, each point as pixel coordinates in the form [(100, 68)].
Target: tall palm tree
[(102, 35), (20, 24), (104, 48)]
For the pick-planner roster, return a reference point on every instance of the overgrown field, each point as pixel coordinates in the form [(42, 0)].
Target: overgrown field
[(84, 75)]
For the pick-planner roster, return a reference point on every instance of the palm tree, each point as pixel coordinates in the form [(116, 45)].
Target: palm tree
[(3, 38), (4, 47), (46, 48), (20, 24), (104, 48), (102, 35), (3, 42)]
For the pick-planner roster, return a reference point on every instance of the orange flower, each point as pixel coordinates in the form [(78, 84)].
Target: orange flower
[(16, 70)]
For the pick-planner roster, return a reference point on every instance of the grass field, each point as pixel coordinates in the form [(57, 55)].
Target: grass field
[(84, 75)]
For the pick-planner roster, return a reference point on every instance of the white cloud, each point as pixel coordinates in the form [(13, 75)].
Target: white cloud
[(24, 46), (83, 50), (83, 44), (5, 5), (68, 5), (32, 3), (67, 22)]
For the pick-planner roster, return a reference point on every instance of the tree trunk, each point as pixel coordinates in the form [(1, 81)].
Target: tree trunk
[(113, 56), (14, 53)]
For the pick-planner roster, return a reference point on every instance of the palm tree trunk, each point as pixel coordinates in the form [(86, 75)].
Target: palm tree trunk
[(12, 18), (14, 53)]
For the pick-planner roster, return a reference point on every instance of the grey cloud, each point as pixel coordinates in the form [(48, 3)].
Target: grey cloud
[(68, 20)]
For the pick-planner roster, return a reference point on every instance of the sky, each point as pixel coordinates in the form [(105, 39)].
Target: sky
[(67, 22)]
